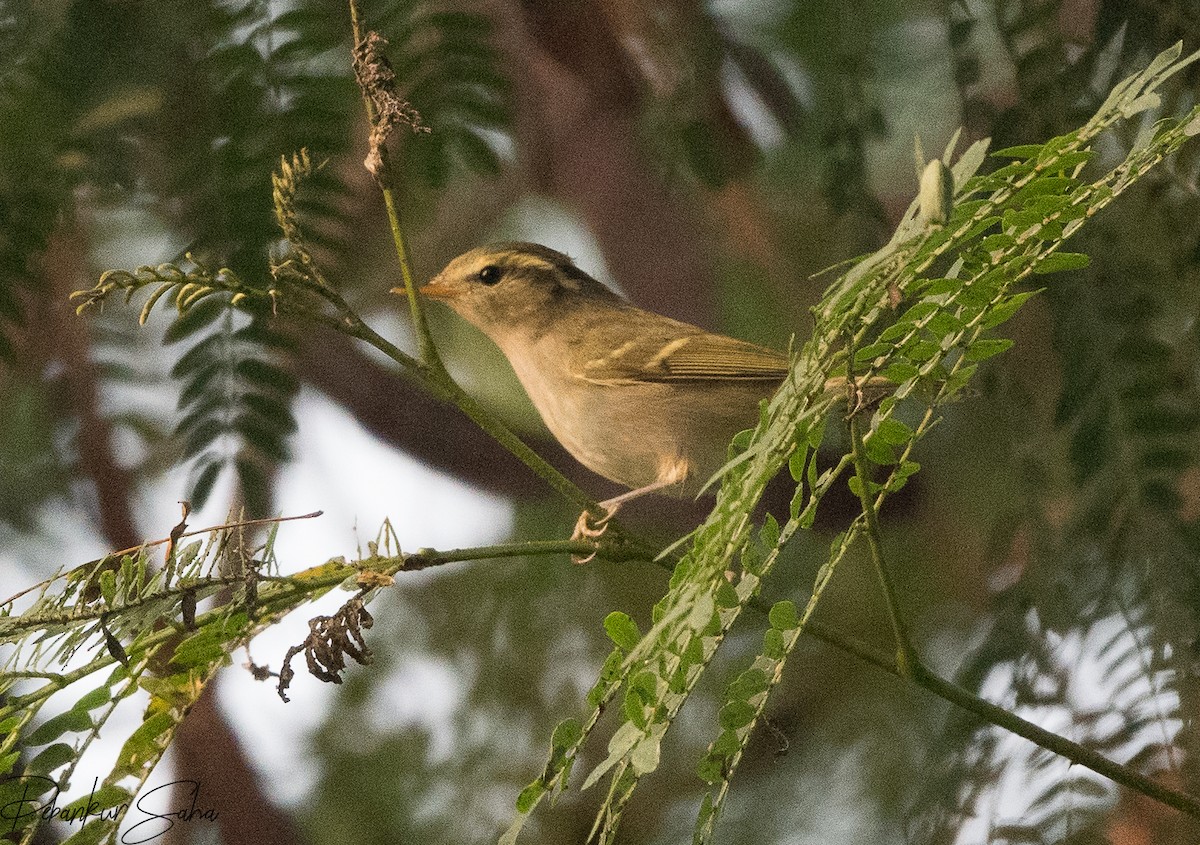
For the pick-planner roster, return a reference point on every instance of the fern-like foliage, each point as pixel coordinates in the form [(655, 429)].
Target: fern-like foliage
[(251, 86), (31, 470), (1004, 226), (119, 628), (68, 109), (32, 187), (448, 69), (1126, 426), (978, 114), (1049, 82), (1111, 649), (829, 42), (271, 85)]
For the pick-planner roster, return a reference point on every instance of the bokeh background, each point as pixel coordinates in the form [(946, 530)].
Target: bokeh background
[(706, 159)]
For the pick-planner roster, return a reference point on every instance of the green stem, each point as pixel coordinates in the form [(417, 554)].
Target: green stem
[(431, 370), (439, 382), (429, 353), (429, 557), (906, 655), (1001, 718)]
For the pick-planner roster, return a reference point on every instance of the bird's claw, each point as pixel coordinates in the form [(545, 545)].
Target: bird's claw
[(588, 531)]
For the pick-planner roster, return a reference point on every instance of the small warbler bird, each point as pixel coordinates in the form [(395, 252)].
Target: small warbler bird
[(643, 400), (649, 402)]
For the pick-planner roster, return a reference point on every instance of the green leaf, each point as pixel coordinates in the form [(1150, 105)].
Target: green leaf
[(871, 352), (796, 463), (6, 765), (741, 440), (1044, 185), (773, 644), (901, 474), (959, 378), (74, 721), (622, 630), (783, 616), (726, 595), (749, 684), (206, 354), (922, 350), (199, 316), (711, 768), (997, 243), (104, 798), (200, 649), (634, 707), (93, 833), (735, 715), (1021, 151), (529, 796), (893, 432), (205, 482), (879, 452), (93, 699), (816, 435), (769, 535), (143, 746), (108, 587), (901, 371), (1057, 262), (981, 350), (1006, 309), (51, 758), (567, 734), (610, 673), (7, 725)]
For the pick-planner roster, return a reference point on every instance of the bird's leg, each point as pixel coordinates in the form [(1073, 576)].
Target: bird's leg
[(672, 472)]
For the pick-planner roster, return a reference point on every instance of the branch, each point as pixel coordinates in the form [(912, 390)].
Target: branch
[(906, 656), (920, 675)]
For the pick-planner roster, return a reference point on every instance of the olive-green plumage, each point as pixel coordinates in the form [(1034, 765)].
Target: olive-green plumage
[(642, 399)]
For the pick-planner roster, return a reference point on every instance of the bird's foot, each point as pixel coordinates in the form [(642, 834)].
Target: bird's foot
[(591, 531)]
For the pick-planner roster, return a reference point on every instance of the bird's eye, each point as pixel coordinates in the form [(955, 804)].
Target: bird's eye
[(489, 275)]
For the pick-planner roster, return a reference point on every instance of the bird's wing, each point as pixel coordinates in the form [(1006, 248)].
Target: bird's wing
[(682, 357)]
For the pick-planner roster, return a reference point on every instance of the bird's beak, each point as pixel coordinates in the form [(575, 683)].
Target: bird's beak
[(438, 288)]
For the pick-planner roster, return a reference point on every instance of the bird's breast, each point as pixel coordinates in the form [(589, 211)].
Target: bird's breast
[(632, 432)]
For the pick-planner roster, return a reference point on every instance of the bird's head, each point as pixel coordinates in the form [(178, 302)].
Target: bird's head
[(506, 287)]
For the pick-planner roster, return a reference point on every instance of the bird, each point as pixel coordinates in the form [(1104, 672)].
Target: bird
[(644, 400)]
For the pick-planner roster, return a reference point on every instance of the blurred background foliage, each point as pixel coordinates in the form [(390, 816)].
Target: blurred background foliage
[(707, 158)]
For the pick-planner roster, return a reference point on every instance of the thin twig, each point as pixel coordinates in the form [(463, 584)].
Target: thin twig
[(906, 656), (432, 371), (383, 174), (1001, 718), (270, 520)]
